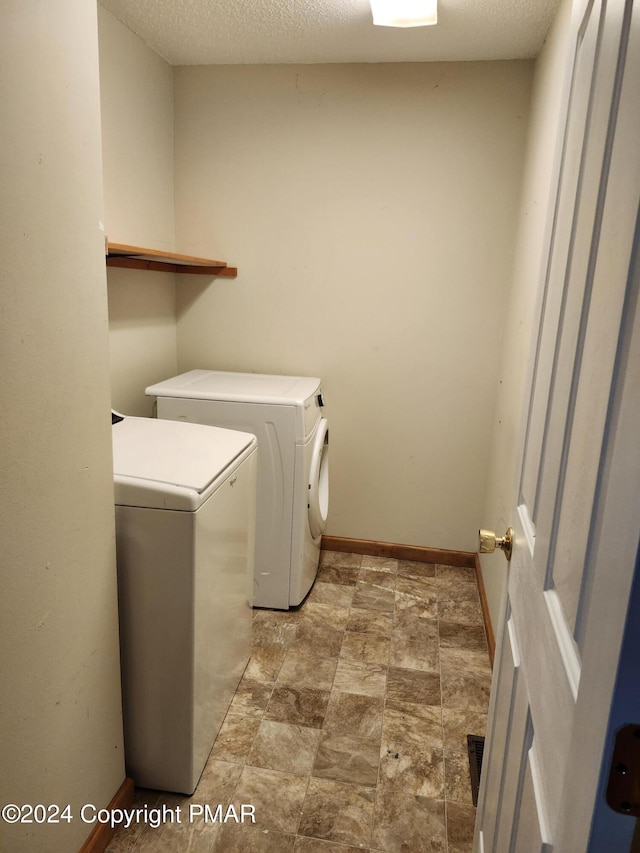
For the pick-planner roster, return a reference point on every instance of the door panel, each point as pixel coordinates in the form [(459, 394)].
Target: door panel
[(492, 794), (530, 829), (518, 743), (562, 246)]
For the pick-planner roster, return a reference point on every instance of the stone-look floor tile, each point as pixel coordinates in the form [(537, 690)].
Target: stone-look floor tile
[(377, 577), (329, 614), (424, 589), (304, 844), (411, 755), (466, 679), (414, 654), (338, 812), (457, 724), (462, 689), (414, 569), (406, 685), (456, 573), (405, 823), (299, 706), (277, 617), (235, 738), (367, 648), (264, 663), (413, 769), (251, 698), (450, 586), (386, 564), (417, 596), (460, 825), (457, 778), (336, 594), (274, 628), (416, 769), (305, 670), (418, 607), (125, 840), (352, 713), (277, 797), (370, 622), (464, 612), (242, 838), (414, 643), (217, 783), (458, 601), (369, 597), (320, 629), (195, 836), (281, 746), (368, 679), (340, 558), (454, 635), (345, 575), (179, 830), (316, 638), (409, 622), (413, 722), (347, 758), (465, 660)]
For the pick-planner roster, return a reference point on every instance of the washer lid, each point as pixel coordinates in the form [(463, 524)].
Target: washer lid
[(238, 387), (171, 464)]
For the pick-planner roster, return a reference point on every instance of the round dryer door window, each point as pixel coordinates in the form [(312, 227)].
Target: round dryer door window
[(319, 480)]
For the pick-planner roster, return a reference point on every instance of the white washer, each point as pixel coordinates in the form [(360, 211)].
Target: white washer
[(286, 413), (185, 526)]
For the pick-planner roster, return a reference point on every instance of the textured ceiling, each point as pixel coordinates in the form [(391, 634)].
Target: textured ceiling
[(246, 32)]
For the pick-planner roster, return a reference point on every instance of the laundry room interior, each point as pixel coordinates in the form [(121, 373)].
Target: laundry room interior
[(374, 246), (386, 219)]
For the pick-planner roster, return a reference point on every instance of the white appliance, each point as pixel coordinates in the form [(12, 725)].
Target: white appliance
[(185, 526), (286, 413)]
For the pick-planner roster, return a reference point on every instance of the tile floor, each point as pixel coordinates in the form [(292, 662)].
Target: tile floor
[(348, 729)]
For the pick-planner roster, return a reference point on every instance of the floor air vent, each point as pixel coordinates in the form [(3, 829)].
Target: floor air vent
[(475, 747)]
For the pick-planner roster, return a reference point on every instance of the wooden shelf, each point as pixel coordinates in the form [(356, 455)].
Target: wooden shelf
[(136, 258)]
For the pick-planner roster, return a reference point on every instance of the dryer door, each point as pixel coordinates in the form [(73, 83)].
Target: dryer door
[(319, 480)]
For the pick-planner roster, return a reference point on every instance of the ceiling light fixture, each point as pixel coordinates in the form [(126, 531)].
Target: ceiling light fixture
[(404, 13)]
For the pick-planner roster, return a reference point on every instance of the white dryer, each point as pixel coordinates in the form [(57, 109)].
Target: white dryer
[(286, 413)]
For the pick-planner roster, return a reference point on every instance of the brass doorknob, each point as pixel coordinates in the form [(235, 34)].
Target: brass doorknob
[(489, 542)]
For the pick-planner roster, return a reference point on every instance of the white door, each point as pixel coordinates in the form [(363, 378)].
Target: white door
[(577, 514)]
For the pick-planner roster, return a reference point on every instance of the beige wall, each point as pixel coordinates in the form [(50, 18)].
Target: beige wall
[(136, 90), (522, 310), (371, 211), (60, 726)]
